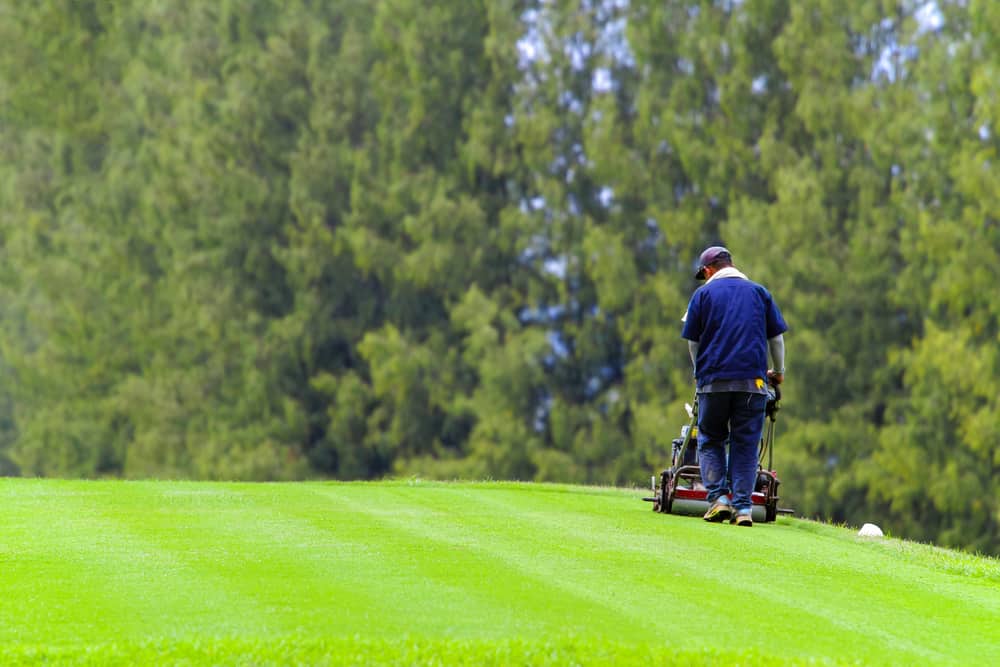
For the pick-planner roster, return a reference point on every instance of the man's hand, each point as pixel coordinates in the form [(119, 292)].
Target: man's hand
[(775, 378)]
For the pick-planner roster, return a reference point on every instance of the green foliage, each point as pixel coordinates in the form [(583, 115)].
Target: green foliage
[(285, 240)]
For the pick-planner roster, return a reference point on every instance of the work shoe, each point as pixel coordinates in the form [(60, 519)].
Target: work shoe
[(743, 518), (719, 511)]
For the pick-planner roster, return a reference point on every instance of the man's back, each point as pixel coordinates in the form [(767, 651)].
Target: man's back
[(731, 319)]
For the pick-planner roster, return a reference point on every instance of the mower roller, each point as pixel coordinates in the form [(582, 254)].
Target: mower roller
[(679, 489)]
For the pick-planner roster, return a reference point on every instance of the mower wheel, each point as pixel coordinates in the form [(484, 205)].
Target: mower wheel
[(661, 504)]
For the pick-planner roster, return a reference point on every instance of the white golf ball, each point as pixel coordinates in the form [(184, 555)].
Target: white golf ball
[(870, 530)]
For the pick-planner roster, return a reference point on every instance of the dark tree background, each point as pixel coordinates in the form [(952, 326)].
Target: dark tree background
[(251, 239)]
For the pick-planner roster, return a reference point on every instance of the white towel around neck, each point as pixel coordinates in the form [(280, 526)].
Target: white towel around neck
[(727, 272)]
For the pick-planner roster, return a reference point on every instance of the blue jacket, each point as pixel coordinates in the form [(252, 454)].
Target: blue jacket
[(731, 319)]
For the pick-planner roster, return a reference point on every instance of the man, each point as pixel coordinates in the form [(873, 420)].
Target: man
[(730, 325)]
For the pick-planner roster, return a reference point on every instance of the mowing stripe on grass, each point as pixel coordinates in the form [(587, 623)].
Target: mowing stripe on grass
[(689, 591), (482, 573)]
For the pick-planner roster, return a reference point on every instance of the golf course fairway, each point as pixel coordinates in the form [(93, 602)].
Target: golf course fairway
[(424, 573)]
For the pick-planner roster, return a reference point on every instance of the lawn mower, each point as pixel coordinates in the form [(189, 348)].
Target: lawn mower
[(679, 489)]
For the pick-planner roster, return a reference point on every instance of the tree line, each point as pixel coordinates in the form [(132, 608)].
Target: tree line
[(251, 239)]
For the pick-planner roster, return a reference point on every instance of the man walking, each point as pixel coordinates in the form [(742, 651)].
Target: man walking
[(731, 324)]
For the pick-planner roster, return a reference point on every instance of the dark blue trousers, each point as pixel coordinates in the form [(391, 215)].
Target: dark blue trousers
[(735, 418)]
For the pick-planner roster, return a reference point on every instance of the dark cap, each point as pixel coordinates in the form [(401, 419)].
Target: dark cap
[(709, 256)]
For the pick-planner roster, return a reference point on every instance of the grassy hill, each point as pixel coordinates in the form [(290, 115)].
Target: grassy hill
[(488, 573)]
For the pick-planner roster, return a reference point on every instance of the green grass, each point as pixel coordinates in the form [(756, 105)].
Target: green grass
[(108, 573)]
